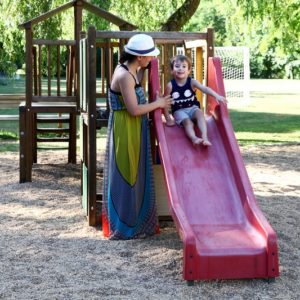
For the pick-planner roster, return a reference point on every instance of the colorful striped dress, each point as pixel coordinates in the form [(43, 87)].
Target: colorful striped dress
[(129, 209)]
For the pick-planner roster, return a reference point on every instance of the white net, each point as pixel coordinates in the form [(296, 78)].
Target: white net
[(236, 72)]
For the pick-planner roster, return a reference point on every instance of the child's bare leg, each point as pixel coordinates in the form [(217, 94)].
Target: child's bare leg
[(169, 120), (190, 132), (201, 123)]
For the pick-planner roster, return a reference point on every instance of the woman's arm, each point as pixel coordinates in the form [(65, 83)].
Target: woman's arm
[(127, 84)]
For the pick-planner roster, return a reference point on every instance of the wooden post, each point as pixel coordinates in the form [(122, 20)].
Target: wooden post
[(28, 115), (92, 119), (35, 79), (108, 67), (199, 71), (70, 70), (210, 42), (40, 71), (49, 69), (22, 151), (210, 50), (77, 29), (72, 138), (58, 70)]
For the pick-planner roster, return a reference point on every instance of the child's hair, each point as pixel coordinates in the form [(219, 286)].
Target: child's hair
[(180, 58)]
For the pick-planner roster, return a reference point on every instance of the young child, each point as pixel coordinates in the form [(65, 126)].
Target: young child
[(186, 107)]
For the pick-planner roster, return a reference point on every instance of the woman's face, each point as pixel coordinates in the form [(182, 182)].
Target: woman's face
[(145, 60)]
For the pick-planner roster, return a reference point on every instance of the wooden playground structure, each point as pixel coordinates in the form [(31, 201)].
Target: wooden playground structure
[(53, 106), (110, 43), (227, 241), (90, 61)]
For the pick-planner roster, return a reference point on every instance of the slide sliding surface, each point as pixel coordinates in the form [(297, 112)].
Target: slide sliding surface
[(224, 233)]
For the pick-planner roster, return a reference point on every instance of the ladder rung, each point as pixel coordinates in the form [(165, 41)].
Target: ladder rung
[(52, 148), (52, 130), (52, 140), (53, 119)]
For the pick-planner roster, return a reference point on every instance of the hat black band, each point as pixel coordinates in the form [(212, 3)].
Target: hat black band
[(142, 51)]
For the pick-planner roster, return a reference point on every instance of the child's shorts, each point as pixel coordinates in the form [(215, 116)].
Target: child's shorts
[(184, 113)]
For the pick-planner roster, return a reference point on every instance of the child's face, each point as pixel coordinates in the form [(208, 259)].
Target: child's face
[(181, 69)]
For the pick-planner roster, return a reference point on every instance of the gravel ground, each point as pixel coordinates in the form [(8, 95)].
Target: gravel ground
[(48, 251)]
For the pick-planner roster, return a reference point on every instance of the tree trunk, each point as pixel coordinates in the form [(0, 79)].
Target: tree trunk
[(181, 16)]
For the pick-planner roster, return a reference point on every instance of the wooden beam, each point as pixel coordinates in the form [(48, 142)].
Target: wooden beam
[(13, 97), (54, 42), (53, 99), (166, 35)]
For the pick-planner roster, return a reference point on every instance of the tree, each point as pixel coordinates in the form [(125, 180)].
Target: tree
[(61, 26), (152, 15), (263, 26), (181, 16), (283, 15), (13, 41)]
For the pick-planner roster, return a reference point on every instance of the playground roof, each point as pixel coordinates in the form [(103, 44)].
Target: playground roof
[(123, 25)]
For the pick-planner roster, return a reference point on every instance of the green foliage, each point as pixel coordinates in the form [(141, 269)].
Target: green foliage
[(91, 19), (283, 33), (147, 15), (210, 14), (60, 26), (269, 29), (7, 135), (13, 40)]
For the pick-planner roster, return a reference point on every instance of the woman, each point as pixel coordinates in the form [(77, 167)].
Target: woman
[(128, 197)]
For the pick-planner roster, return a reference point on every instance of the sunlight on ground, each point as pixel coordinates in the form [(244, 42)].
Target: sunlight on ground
[(278, 96)]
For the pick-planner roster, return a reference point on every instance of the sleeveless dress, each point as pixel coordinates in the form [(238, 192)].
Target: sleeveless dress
[(128, 209)]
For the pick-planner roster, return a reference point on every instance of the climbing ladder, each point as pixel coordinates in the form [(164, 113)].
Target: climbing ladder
[(42, 107), (53, 107)]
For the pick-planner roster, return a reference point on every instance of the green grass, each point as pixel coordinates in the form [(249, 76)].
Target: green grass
[(9, 146), (7, 135), (11, 86), (254, 127), (267, 120)]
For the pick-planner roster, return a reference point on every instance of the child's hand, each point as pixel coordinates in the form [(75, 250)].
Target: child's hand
[(221, 99)]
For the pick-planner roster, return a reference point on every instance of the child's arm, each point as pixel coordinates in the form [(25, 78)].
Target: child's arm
[(205, 89), (169, 119)]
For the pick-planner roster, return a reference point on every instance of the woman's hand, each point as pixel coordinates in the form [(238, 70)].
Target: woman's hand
[(164, 102)]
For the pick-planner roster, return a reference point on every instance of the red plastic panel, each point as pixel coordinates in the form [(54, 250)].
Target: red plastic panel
[(224, 233)]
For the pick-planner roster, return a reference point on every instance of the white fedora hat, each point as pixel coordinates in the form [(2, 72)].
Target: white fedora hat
[(141, 45)]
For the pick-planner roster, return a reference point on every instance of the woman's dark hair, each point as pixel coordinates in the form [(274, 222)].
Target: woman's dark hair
[(126, 57)]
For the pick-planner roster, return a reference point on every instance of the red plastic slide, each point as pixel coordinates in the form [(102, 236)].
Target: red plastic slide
[(224, 233)]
